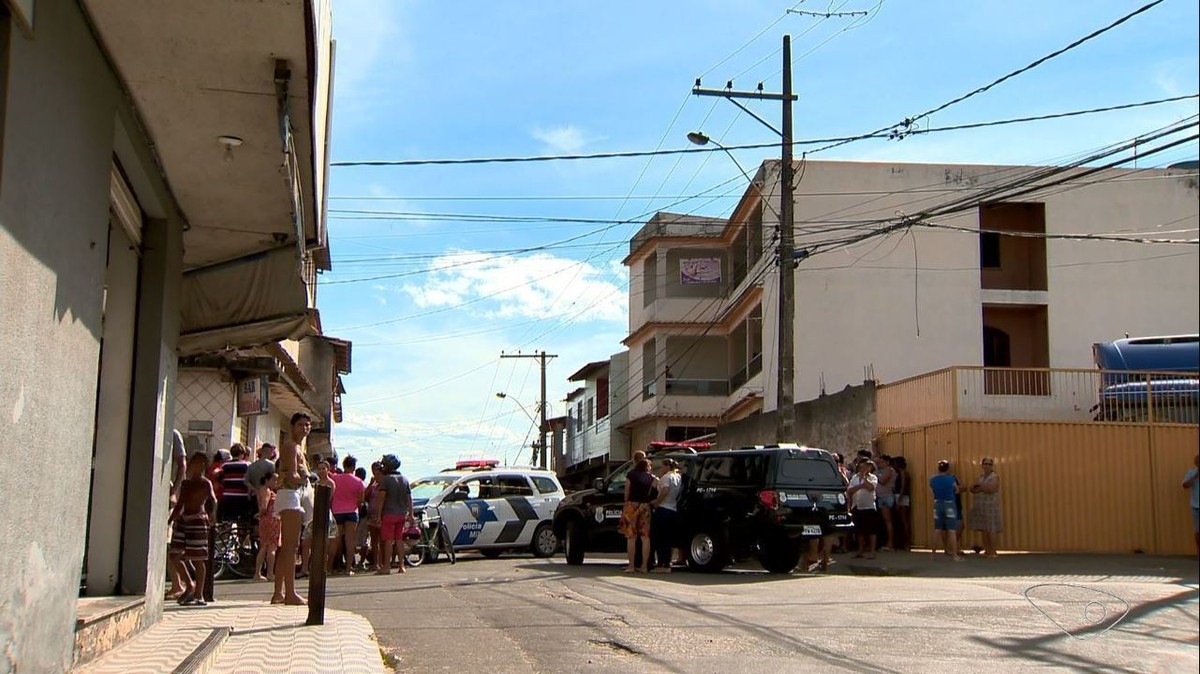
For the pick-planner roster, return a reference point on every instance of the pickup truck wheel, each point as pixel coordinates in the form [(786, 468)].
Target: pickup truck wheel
[(780, 556), (708, 550), (575, 543)]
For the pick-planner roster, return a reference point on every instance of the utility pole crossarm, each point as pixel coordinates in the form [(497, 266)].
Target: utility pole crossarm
[(730, 93)]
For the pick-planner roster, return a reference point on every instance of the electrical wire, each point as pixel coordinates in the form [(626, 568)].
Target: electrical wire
[(888, 132), (827, 246), (613, 197), (905, 126)]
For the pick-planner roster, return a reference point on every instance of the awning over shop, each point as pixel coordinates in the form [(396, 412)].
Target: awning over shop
[(341, 353), (252, 300), (287, 397)]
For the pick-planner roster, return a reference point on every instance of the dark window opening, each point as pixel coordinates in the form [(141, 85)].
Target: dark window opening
[(685, 433), (602, 397), (997, 351), (989, 250), (1012, 246)]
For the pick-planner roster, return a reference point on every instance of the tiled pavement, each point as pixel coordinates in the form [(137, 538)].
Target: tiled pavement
[(264, 638)]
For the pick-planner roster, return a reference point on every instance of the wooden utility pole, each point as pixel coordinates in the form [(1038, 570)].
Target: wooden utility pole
[(785, 399), (543, 427), (316, 560)]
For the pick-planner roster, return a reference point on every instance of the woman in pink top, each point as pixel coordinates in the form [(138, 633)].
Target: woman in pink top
[(268, 527), (348, 495)]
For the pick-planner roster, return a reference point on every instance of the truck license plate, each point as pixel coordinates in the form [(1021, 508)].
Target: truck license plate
[(812, 530)]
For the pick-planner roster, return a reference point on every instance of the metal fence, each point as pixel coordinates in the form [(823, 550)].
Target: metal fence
[(1065, 486)]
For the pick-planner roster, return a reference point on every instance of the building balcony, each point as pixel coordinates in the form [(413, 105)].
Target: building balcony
[(686, 387), (1039, 394), (677, 310)]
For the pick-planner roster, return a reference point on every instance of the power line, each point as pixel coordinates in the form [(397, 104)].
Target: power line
[(906, 124), (614, 197), (1096, 33), (888, 132)]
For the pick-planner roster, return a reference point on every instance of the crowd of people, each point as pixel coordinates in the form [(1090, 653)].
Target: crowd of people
[(878, 492), (369, 522)]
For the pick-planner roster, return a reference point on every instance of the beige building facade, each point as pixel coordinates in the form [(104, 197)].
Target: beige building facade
[(901, 269), (1021, 295)]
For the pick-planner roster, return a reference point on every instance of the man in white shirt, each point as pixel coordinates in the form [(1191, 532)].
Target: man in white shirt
[(862, 508)]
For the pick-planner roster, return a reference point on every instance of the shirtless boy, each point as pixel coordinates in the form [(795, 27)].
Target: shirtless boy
[(194, 510), (294, 506)]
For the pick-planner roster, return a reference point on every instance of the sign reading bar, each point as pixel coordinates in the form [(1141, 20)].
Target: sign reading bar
[(698, 270), (252, 396)]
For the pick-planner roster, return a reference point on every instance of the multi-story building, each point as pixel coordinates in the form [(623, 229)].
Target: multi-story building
[(695, 341), (248, 395), (1026, 282), (901, 269), (596, 412), (162, 178)]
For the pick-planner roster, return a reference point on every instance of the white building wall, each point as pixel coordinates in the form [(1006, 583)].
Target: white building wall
[(268, 427), (898, 311), (206, 395), (587, 441), (1099, 290)]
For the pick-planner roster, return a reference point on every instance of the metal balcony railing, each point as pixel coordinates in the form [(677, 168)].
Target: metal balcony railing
[(697, 387), (1039, 394)]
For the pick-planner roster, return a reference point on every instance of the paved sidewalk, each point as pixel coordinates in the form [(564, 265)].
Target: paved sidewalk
[(264, 638)]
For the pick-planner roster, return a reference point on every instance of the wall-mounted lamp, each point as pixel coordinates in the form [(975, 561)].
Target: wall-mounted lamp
[(229, 142)]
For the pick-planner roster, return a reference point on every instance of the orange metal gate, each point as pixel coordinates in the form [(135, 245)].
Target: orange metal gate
[(1065, 486)]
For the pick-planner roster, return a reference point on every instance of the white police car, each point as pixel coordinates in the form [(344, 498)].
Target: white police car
[(497, 509)]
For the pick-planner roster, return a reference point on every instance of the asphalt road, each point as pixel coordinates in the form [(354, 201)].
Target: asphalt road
[(905, 612)]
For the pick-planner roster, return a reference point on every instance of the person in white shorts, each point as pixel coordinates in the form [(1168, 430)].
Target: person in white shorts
[(294, 492)]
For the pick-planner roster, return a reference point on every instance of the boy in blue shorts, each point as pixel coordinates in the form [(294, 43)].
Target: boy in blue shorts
[(945, 511)]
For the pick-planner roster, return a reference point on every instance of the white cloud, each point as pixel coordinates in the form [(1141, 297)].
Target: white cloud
[(368, 32), (561, 139), (1173, 76), (533, 286)]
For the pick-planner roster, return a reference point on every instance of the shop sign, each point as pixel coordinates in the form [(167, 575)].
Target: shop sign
[(252, 396)]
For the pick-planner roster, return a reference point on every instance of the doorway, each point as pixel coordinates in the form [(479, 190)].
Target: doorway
[(114, 391)]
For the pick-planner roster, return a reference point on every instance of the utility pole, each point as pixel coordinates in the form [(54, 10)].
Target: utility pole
[(542, 447), (785, 400)]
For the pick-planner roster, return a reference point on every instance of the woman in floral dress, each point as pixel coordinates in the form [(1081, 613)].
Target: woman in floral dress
[(985, 513)]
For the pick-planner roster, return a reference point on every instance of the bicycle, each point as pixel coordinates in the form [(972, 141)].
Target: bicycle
[(434, 541), (235, 548)]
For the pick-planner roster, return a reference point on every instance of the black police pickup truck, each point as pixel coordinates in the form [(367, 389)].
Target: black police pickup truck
[(765, 502)]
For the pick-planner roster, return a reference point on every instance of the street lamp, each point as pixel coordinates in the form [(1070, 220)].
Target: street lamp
[(504, 396), (700, 138)]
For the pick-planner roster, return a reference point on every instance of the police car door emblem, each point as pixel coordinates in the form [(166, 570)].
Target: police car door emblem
[(599, 514)]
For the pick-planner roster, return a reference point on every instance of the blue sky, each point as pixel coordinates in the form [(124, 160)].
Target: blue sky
[(428, 278)]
